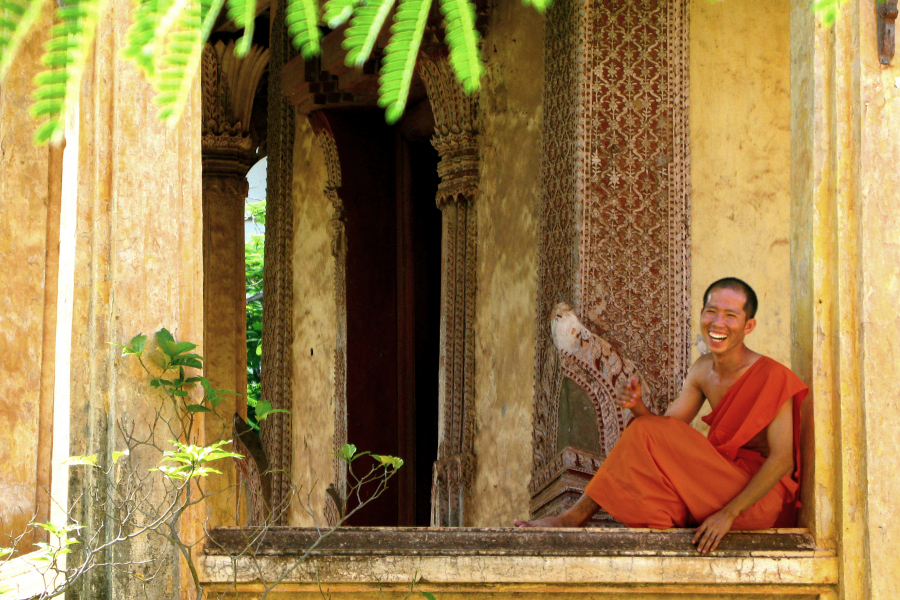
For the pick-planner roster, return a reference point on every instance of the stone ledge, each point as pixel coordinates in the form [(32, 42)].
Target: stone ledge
[(412, 541), (516, 561)]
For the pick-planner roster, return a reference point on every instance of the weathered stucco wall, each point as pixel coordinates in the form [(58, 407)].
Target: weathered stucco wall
[(507, 262), (740, 159), (315, 326), (29, 225), (879, 355)]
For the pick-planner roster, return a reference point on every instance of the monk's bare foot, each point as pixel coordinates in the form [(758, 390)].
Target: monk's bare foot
[(545, 522)]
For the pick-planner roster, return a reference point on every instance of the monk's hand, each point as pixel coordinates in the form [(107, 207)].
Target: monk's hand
[(628, 394), (712, 530)]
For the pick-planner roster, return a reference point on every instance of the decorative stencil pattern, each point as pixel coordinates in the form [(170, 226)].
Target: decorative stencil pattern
[(615, 237)]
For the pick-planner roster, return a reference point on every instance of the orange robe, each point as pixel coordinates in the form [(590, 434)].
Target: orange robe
[(664, 473)]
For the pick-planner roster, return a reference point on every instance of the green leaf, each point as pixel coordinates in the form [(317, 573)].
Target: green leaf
[(163, 336), (17, 17), (539, 5), (400, 57), (393, 462), (264, 409), (428, 595), (65, 56), (243, 13), (6, 551), (138, 343), (187, 361), (197, 408), (462, 37), (302, 19), (366, 24), (338, 11), (117, 455), (827, 10), (90, 461)]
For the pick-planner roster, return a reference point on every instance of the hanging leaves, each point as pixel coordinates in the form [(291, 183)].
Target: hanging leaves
[(400, 57), (302, 19), (360, 37), (16, 20), (65, 57), (463, 38), (243, 13)]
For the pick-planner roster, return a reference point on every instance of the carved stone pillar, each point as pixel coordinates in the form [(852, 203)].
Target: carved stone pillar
[(615, 205), (456, 140), (229, 86)]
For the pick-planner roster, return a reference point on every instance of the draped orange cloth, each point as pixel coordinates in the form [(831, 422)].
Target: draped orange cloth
[(664, 473)]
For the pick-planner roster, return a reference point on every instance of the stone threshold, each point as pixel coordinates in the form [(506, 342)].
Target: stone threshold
[(498, 562), (572, 542)]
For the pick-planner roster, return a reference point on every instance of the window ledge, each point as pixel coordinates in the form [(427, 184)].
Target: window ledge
[(459, 559)]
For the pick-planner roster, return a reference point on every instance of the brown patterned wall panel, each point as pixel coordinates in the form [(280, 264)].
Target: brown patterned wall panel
[(615, 237)]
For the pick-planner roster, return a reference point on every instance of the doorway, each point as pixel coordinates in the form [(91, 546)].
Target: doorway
[(393, 282)]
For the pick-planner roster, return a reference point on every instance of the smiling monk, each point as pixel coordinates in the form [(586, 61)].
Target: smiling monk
[(664, 473)]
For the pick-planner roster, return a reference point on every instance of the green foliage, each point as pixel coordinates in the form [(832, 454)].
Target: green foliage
[(65, 56), (243, 13), (366, 24), (302, 19), (539, 5), (827, 10), (338, 11), (400, 57), (179, 60), (254, 254), (264, 409), (463, 38), (16, 20), (90, 461), (192, 460), (50, 553)]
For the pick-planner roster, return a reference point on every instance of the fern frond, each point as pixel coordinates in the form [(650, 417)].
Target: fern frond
[(140, 43), (180, 54), (539, 5), (65, 56), (243, 13), (400, 57), (302, 19), (338, 11), (366, 24), (462, 37), (16, 19)]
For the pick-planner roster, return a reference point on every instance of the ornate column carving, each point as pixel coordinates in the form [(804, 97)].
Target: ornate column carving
[(456, 139), (278, 302), (614, 234), (229, 87)]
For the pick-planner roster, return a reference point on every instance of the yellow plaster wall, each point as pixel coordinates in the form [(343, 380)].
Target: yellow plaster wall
[(740, 159), (879, 320), (507, 263), (26, 223), (315, 325)]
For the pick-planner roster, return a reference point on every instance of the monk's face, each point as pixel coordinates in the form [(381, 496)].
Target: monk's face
[(724, 322)]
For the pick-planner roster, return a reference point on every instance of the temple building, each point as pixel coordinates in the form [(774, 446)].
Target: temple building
[(619, 157)]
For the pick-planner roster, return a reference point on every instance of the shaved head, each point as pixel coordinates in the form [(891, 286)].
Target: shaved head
[(738, 285)]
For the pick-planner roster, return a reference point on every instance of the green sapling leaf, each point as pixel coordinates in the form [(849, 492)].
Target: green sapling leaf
[(90, 461)]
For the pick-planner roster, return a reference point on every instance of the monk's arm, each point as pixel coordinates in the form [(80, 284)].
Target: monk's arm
[(688, 403), (780, 462)]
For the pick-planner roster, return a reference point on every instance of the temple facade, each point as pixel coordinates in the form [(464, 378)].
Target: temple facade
[(619, 157)]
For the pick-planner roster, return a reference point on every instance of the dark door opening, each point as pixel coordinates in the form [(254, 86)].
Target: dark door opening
[(393, 307)]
